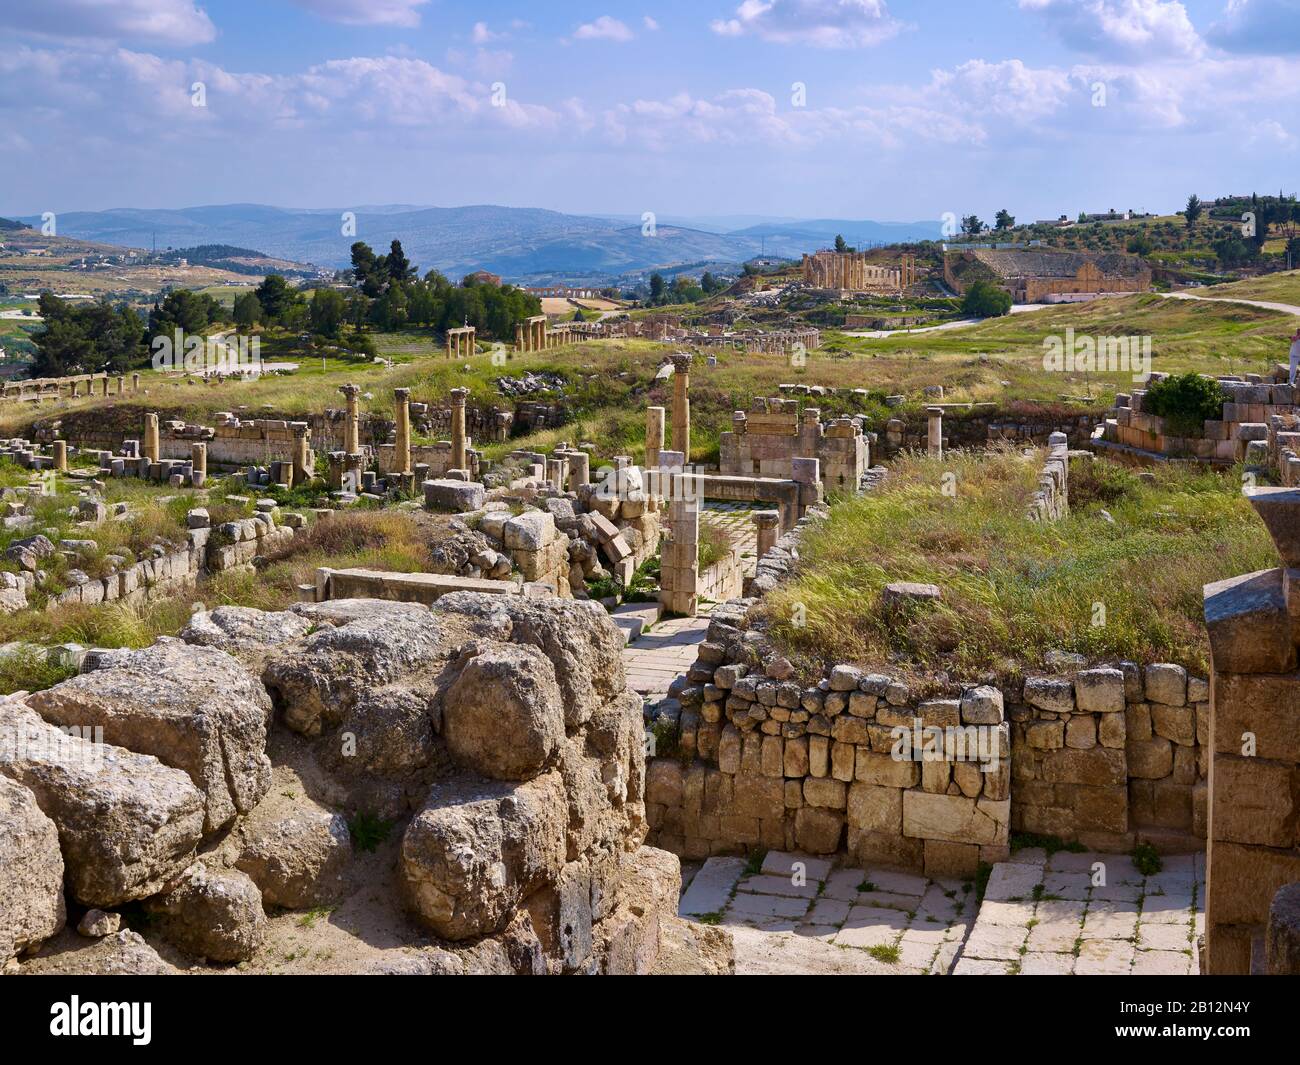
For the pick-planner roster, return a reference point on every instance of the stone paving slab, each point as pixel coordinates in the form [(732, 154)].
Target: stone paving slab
[(802, 910), (782, 863), (710, 889), (1087, 914)]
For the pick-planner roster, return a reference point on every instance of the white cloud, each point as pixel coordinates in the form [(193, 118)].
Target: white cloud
[(650, 23), (1130, 29), (1264, 27), (366, 12), (482, 35), (604, 28), (1273, 133), (77, 92), (819, 23), (167, 22)]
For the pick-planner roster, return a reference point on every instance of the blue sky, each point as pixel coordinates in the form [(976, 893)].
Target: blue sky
[(908, 108)]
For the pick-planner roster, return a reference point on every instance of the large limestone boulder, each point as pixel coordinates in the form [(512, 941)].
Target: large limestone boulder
[(127, 823), (295, 850), (212, 914), (583, 645), (504, 716), (478, 848), (359, 645), (31, 873), (124, 953), (248, 634), (192, 708)]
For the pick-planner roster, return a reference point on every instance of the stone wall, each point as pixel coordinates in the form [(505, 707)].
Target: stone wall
[(766, 440), (1253, 742), (1132, 433), (978, 425), (1105, 756), (1052, 500), (1110, 755)]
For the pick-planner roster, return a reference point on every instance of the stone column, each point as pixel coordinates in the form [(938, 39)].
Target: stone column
[(654, 436), (519, 336), (458, 396), (104, 386), (61, 456), (769, 530), (402, 436), (198, 464), (1253, 849), (682, 404), (302, 471), (135, 382), (151, 446), (935, 438), (352, 420), (579, 468), (73, 394), (679, 569)]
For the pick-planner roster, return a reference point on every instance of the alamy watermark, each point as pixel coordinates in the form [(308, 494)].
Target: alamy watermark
[(981, 744), (1087, 354), (195, 353)]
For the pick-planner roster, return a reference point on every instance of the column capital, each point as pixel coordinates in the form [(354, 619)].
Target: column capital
[(402, 395)]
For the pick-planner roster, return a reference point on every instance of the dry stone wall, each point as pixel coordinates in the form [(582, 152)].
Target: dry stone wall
[(859, 762)]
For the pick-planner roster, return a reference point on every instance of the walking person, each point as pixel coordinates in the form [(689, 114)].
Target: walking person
[(1295, 355)]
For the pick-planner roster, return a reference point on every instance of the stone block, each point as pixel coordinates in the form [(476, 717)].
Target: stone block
[(1054, 694), (1255, 801), (1150, 759), (1265, 705), (955, 818), (817, 830), (1248, 624), (1166, 683), (1100, 690), (875, 809), (824, 792), (1176, 723), (883, 770)]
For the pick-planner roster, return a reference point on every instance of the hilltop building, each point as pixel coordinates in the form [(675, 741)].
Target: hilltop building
[(1047, 275)]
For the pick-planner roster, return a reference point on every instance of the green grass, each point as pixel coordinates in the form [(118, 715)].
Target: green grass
[(1147, 859), (369, 831), (1273, 288), (1013, 590), (889, 954)]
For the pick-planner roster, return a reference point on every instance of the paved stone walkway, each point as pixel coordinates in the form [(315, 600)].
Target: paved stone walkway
[(1087, 914), (801, 914), (738, 520), (658, 657)]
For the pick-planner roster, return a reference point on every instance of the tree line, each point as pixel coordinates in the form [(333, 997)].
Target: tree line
[(385, 293)]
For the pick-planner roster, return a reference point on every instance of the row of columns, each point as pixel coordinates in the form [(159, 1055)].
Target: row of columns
[(530, 334), (461, 342)]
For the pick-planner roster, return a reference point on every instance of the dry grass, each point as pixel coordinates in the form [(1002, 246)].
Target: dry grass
[(1014, 590)]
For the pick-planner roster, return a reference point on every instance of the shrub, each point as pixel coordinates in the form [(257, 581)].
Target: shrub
[(1185, 402), (715, 544), (985, 300)]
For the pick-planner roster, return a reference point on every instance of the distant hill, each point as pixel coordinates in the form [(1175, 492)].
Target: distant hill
[(236, 260), (514, 242), (9, 223)]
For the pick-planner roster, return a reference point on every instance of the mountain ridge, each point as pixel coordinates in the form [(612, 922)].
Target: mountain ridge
[(515, 242)]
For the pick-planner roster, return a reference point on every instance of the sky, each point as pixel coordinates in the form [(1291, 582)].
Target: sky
[(880, 109)]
